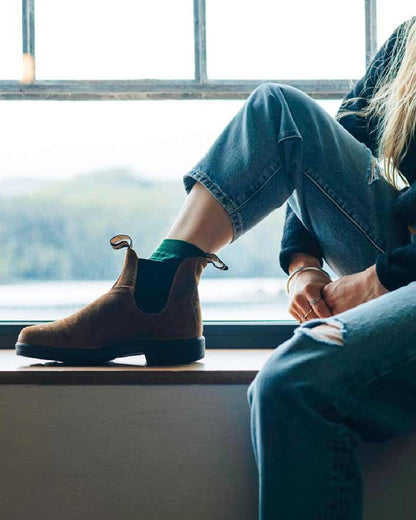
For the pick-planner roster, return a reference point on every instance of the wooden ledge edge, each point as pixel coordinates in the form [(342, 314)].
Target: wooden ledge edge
[(130, 377), (222, 366)]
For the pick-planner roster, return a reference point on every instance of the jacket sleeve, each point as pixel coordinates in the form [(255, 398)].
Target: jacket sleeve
[(398, 267), (296, 239)]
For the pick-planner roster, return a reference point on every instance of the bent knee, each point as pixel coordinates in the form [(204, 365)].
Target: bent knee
[(278, 91), (270, 89), (328, 333), (299, 369), (283, 371), (267, 94)]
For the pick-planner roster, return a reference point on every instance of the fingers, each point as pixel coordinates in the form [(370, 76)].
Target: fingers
[(302, 314), (295, 315), (304, 311), (321, 309), (327, 299), (317, 302), (296, 312), (309, 317), (309, 303), (309, 314)]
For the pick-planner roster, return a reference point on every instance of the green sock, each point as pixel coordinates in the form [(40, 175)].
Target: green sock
[(179, 249), (155, 275)]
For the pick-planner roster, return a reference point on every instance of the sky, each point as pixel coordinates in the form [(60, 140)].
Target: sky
[(104, 39)]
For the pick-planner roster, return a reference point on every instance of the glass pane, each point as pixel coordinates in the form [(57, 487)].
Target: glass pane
[(10, 39), (285, 40), (75, 174), (390, 15), (107, 39)]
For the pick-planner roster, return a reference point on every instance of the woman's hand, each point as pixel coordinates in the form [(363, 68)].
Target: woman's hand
[(352, 290), (306, 286)]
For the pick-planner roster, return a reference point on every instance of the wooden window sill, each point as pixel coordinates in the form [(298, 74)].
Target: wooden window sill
[(222, 366)]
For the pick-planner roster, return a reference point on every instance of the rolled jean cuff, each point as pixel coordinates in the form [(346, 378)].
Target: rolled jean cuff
[(218, 193)]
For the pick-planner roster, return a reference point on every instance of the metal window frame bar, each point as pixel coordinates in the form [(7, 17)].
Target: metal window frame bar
[(200, 42), (28, 28), (370, 30), (160, 89)]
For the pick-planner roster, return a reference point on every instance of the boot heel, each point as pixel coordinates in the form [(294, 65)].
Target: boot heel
[(175, 352)]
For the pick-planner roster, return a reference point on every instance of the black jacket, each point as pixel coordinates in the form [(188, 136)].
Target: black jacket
[(394, 268)]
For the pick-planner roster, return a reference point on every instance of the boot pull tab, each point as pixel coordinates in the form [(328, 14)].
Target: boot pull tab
[(120, 241), (212, 259)]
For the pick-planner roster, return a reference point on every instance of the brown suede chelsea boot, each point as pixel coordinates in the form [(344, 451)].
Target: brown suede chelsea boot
[(113, 326)]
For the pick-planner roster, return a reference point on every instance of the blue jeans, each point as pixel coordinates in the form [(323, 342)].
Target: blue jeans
[(314, 399)]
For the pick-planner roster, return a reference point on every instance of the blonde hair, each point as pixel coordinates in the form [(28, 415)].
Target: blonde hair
[(394, 103)]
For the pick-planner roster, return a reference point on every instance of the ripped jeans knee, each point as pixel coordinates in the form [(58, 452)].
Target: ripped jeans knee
[(329, 331)]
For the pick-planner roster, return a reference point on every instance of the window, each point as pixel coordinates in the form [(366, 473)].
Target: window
[(127, 39), (250, 43), (117, 101), (10, 40)]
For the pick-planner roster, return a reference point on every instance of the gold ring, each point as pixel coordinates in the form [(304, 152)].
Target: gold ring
[(307, 314)]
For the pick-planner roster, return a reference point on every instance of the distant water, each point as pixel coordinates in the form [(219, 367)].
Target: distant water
[(232, 299)]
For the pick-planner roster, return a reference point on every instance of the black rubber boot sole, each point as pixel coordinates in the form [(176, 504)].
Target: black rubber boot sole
[(164, 352)]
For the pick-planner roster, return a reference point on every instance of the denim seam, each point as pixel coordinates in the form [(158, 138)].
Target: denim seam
[(376, 378), (341, 445), (225, 201), (358, 226), (274, 170), (336, 482)]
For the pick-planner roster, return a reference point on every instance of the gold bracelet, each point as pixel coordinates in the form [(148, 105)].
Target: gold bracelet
[(305, 268)]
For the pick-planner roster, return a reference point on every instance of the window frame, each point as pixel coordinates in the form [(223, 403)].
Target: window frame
[(201, 87), (227, 334)]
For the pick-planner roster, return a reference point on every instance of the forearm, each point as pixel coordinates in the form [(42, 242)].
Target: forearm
[(297, 240), (303, 260)]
